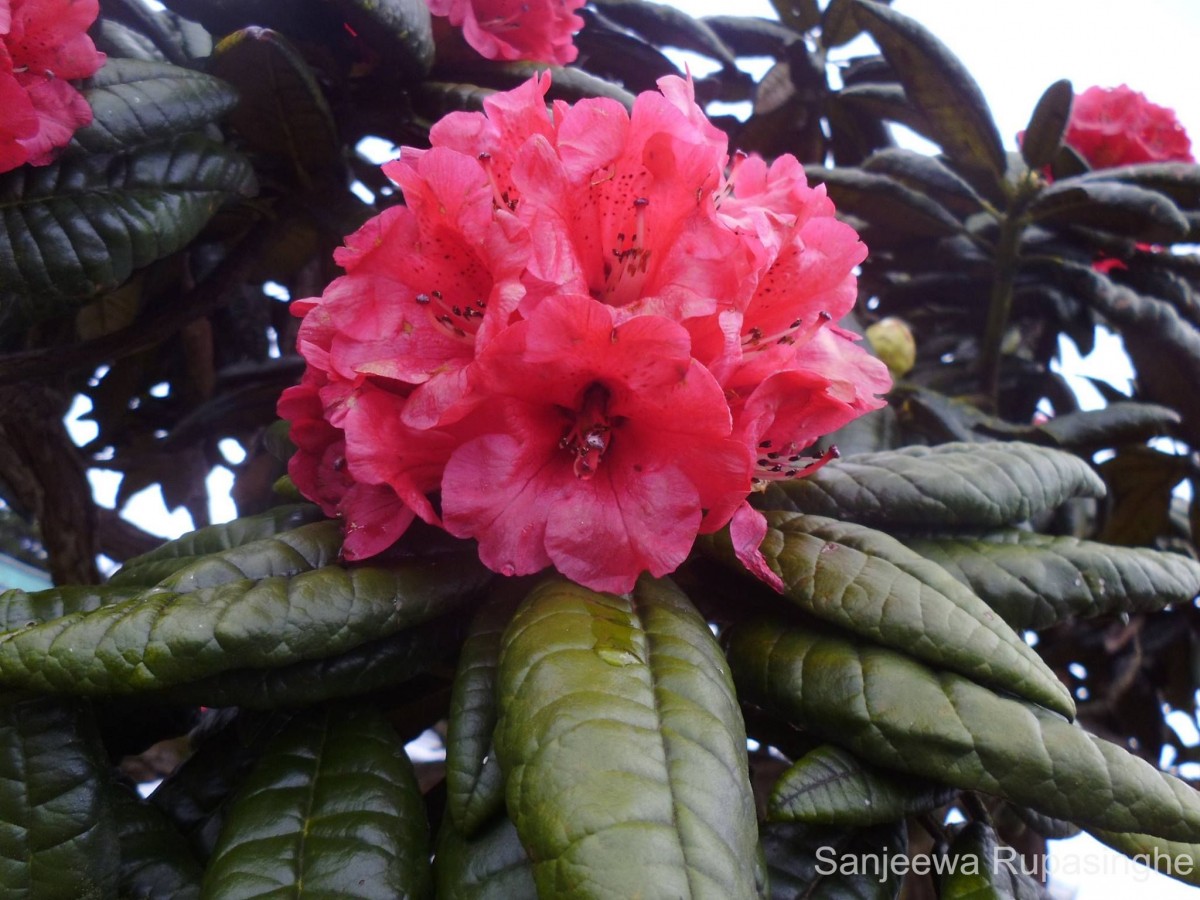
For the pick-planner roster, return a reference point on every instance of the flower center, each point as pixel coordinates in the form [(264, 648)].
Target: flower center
[(589, 432)]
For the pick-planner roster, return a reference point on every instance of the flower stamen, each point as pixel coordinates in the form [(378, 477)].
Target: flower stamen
[(787, 464), (590, 432)]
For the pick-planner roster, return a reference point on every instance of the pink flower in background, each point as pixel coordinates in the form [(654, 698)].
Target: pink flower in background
[(585, 340), (43, 46), (538, 30), (1119, 126)]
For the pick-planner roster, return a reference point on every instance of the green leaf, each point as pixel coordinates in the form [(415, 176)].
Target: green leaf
[(829, 786), (283, 113), (1178, 180), (1122, 209), (1141, 480), (332, 809), (136, 102), (979, 869), (1044, 133), (150, 568), (894, 712), (885, 101), (928, 176), (1163, 343), (434, 99), (1034, 580), (885, 202), (58, 837), (19, 609), (160, 639), (82, 225), (838, 23), (624, 747), (1118, 423), (869, 583), (119, 41), (156, 861), (287, 553), (474, 783), (369, 667), (751, 35), (223, 749), (801, 15), (667, 25), (940, 87), (490, 866), (400, 29), (1176, 859), (834, 863), (952, 485), (566, 82)]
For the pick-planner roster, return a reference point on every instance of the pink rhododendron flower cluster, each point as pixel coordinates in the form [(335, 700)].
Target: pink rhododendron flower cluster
[(538, 30), (1119, 126), (586, 338), (43, 45)]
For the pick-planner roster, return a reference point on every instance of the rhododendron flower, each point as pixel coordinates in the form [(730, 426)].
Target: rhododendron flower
[(585, 340), (538, 30), (1119, 126), (43, 45)]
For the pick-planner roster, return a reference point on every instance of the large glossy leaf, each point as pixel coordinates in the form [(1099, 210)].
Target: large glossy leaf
[(831, 787), (890, 710), (400, 29), (282, 114), (156, 861), (150, 568), (58, 837), (160, 638), (474, 783), (223, 749), (834, 863), (951, 485), (489, 866), (369, 667), (1119, 208), (82, 225), (1034, 580), (623, 747), (941, 87), (135, 102), (869, 583), (332, 809)]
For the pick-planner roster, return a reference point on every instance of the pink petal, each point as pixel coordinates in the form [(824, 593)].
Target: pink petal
[(747, 530)]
